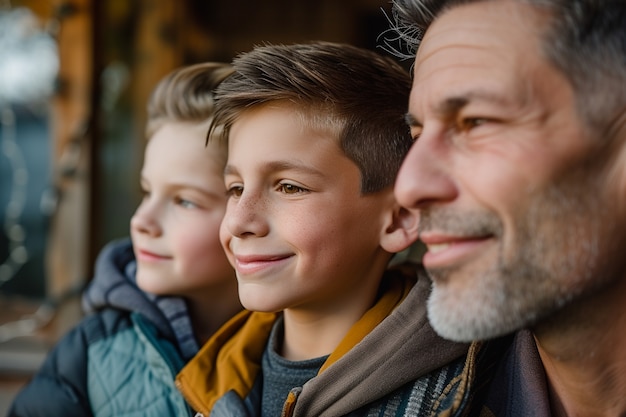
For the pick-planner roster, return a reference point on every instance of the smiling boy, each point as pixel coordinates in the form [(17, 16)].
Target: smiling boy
[(315, 138), (157, 297)]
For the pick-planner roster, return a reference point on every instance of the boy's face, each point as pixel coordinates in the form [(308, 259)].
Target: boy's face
[(296, 228), (175, 230)]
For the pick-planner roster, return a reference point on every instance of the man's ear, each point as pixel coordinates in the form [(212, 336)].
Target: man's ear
[(401, 230)]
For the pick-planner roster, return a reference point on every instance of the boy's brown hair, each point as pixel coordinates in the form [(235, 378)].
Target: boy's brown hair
[(185, 95), (357, 95)]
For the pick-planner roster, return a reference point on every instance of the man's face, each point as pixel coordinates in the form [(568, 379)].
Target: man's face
[(513, 194)]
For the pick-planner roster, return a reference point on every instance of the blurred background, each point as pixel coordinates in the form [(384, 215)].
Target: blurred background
[(74, 80)]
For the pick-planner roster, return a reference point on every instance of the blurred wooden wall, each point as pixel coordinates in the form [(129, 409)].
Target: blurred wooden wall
[(81, 28), (149, 38), (72, 25)]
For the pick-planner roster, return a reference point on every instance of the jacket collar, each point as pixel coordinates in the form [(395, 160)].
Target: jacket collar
[(502, 377)]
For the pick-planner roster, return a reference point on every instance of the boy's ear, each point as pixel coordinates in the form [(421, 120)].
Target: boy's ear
[(401, 230)]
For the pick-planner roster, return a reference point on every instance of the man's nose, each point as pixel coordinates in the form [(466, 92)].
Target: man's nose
[(424, 177)]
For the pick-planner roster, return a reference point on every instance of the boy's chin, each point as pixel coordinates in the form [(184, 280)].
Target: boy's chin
[(258, 301)]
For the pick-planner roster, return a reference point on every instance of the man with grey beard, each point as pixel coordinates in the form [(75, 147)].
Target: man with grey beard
[(518, 172)]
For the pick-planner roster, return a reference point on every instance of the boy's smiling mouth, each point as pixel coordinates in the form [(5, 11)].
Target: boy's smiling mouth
[(148, 256), (249, 264)]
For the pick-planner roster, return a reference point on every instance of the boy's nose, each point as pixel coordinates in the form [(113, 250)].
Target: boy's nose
[(145, 221), (246, 216)]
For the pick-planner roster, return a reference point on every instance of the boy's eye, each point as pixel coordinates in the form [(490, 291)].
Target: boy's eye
[(290, 188), (145, 194), (185, 203), (234, 191)]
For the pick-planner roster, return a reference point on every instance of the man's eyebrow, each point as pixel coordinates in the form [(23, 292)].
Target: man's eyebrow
[(448, 107), (452, 105)]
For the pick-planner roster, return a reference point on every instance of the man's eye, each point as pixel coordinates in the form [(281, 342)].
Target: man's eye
[(290, 188), (472, 122), (415, 134)]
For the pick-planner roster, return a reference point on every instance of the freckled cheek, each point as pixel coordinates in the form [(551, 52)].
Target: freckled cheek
[(302, 235), (320, 239)]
